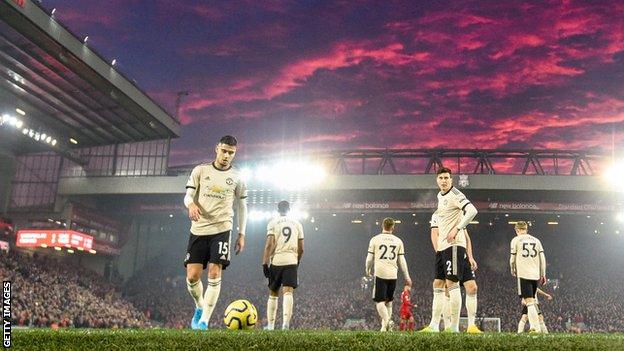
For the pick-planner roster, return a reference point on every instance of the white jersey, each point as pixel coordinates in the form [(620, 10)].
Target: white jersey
[(527, 250), (287, 232), (386, 249), (215, 191), (434, 224), (448, 215)]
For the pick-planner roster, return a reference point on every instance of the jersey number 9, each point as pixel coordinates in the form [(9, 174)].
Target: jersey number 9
[(286, 231)]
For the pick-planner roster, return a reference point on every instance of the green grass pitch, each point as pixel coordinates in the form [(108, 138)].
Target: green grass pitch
[(222, 340)]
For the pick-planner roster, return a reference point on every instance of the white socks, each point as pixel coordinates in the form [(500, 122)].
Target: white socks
[(456, 302), (383, 314), (533, 317), (287, 306), (543, 327), (210, 298), (271, 312), (196, 290), (471, 308), (389, 308), (521, 325), (446, 312), (436, 308)]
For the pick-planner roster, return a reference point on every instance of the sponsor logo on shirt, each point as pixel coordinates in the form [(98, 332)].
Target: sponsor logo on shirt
[(217, 189)]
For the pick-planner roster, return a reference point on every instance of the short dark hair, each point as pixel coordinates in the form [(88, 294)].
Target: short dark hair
[(388, 223), (444, 170), (283, 206), (228, 140)]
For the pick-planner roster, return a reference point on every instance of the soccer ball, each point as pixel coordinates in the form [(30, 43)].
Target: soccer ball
[(240, 314)]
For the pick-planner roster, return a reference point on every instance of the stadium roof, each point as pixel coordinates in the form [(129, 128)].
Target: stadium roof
[(63, 88)]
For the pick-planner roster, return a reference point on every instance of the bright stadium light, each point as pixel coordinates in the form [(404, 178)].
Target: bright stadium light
[(114, 62), (20, 111), (246, 174), (263, 174), (54, 142), (298, 213), (256, 215), (13, 121), (614, 171), (86, 39), (53, 11), (291, 174)]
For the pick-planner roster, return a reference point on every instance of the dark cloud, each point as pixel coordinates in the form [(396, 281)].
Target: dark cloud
[(354, 74)]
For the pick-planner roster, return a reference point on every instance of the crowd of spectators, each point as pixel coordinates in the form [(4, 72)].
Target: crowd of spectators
[(51, 293), (589, 305), (331, 294)]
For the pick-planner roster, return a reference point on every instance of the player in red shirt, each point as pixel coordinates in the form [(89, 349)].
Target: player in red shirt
[(407, 316)]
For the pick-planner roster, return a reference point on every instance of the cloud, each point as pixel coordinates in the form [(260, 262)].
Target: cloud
[(352, 75)]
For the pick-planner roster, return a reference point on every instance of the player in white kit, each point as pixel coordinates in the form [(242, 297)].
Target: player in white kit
[(468, 281), (211, 191), (454, 213), (525, 318), (282, 253), (386, 254), (528, 264)]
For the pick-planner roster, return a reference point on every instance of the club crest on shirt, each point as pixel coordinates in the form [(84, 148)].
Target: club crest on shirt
[(229, 181)]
